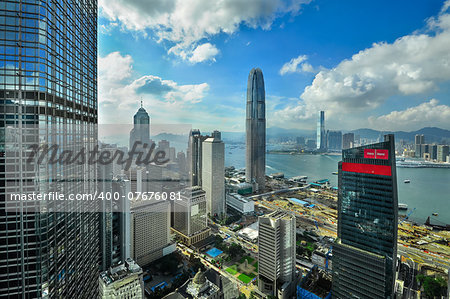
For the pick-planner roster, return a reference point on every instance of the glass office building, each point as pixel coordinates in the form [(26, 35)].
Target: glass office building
[(48, 82), (365, 252)]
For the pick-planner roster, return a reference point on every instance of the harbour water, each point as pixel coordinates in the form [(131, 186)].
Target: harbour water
[(428, 192)]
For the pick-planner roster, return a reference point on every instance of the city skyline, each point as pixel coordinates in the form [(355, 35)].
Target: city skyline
[(177, 80)]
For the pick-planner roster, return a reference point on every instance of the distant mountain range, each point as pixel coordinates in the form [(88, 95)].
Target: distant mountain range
[(432, 134)]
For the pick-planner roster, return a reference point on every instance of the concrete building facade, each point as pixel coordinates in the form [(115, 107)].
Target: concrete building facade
[(190, 216), (213, 174), (150, 232), (122, 280), (276, 255)]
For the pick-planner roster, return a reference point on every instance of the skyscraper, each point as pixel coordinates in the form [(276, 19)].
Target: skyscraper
[(276, 255), (364, 255), (334, 140), (48, 81), (194, 156), (213, 174), (418, 141), (321, 134), (255, 163), (141, 128), (348, 139)]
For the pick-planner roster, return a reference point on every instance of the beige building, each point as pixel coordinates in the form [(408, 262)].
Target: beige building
[(213, 174), (276, 256), (122, 281), (190, 218), (150, 232)]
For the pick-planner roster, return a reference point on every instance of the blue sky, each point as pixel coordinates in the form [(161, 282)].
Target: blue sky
[(378, 64)]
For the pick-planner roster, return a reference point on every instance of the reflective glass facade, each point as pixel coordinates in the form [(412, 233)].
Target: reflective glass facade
[(48, 80), (365, 252)]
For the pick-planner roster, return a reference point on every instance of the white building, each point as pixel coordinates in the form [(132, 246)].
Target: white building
[(276, 254), (213, 174), (122, 281), (240, 203), (150, 232)]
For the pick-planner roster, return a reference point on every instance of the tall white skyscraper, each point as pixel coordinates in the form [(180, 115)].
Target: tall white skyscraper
[(213, 174), (276, 255)]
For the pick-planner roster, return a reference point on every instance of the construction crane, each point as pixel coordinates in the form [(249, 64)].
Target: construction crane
[(407, 216)]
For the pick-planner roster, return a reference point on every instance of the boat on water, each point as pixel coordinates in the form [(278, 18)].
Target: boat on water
[(335, 173), (406, 181), (435, 214), (402, 206)]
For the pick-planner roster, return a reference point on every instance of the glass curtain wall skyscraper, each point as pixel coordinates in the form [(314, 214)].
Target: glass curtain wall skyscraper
[(365, 252), (48, 70), (255, 163), (321, 134)]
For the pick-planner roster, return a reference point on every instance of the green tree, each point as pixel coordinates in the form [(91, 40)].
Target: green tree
[(432, 286)]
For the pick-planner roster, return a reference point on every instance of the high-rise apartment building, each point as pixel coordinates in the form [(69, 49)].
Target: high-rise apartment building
[(321, 134), (348, 139), (276, 255), (48, 82), (255, 163), (418, 141), (442, 153), (365, 252), (190, 216), (213, 174)]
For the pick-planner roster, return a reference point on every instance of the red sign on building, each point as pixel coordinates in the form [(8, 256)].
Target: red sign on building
[(370, 153), (381, 154)]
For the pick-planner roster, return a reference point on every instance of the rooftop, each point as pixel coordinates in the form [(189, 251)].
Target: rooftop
[(120, 271)]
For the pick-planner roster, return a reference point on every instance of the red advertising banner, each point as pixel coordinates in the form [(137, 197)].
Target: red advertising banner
[(367, 168), (369, 153), (381, 154)]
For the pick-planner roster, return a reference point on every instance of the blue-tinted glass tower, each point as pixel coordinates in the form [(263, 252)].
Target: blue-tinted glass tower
[(48, 81)]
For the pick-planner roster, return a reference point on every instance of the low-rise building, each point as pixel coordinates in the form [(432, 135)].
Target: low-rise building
[(122, 281), (240, 203)]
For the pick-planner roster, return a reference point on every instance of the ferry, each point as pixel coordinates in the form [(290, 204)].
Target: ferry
[(402, 206), (335, 173), (435, 214), (406, 181)]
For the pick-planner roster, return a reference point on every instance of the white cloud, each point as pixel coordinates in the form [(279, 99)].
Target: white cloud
[(185, 23), (118, 90), (204, 52), (426, 114), (414, 64), (297, 65)]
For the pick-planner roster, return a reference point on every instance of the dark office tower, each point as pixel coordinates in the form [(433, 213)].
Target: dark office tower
[(255, 164), (348, 140), (321, 134), (419, 140), (365, 251), (48, 81), (141, 129), (334, 140), (194, 156)]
